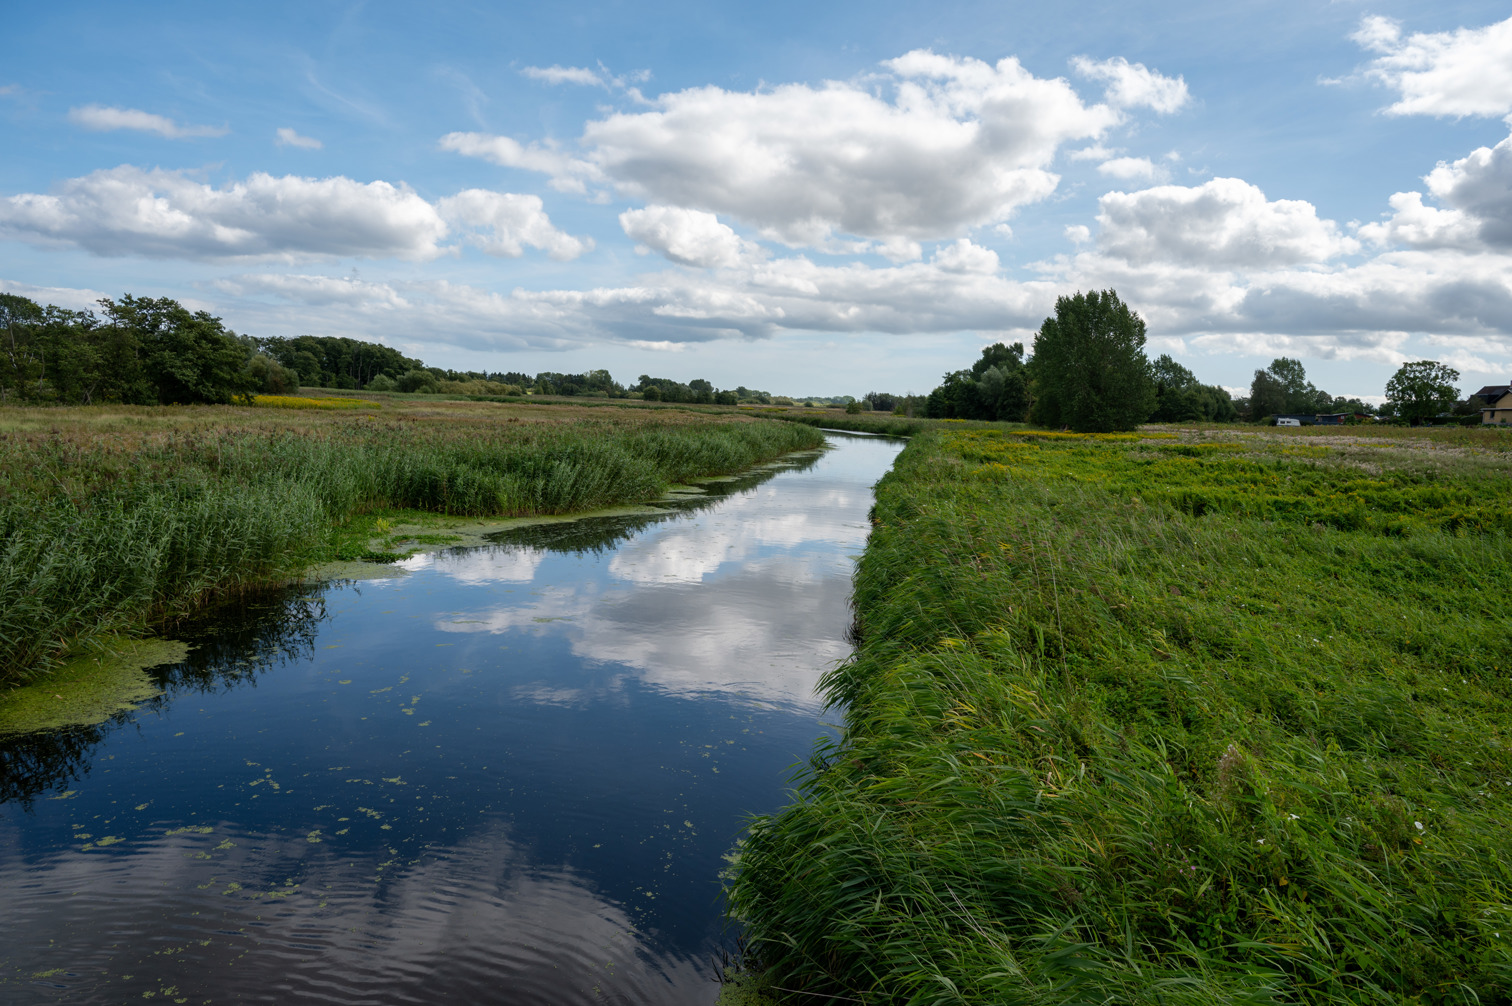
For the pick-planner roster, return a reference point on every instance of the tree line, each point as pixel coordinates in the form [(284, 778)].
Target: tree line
[(146, 351), (1089, 373)]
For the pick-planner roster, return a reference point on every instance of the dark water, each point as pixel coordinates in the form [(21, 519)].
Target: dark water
[(509, 776)]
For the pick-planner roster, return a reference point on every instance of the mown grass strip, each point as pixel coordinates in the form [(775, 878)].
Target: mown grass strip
[(1105, 746)]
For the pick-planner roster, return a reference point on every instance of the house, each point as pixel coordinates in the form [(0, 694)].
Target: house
[(1499, 400), (1490, 393)]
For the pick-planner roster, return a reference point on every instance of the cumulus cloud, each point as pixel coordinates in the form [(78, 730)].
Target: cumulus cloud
[(965, 257), (688, 237), (1134, 85), (102, 118), (1480, 186), (568, 173), (287, 137), (1225, 222), (1417, 225), (1467, 71), (1131, 169), (505, 223), (165, 214), (1475, 194), (947, 144)]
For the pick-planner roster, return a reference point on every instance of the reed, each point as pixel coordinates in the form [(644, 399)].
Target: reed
[(1106, 746), (109, 529)]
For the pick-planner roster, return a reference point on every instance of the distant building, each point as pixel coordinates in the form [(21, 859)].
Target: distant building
[(1498, 398), (1490, 393), (1319, 419)]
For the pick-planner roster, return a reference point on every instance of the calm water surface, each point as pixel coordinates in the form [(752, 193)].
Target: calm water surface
[(507, 776)]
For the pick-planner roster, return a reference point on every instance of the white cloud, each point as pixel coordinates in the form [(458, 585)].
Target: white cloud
[(1096, 152), (1476, 192), (568, 174), (1134, 85), (346, 292), (1078, 233), (1223, 223), (1467, 71), (965, 257), (1131, 168), (102, 118), (289, 138), (1419, 226), (688, 237), (955, 144), (164, 214), (1480, 185), (504, 223), (564, 75), (62, 296)]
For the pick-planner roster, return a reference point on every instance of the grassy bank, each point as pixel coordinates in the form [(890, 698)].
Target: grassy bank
[(1192, 718), (112, 520)]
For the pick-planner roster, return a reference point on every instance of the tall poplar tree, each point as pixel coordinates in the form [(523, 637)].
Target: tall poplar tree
[(1089, 369)]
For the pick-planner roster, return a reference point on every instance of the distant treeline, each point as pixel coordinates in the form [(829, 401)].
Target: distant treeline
[(1089, 371), (145, 351)]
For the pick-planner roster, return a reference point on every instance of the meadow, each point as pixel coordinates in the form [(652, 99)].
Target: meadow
[(124, 519), (1182, 717)]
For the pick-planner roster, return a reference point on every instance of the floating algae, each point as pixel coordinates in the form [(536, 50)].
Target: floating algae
[(89, 689)]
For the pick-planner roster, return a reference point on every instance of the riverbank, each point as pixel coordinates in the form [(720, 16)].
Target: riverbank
[(1185, 717), (117, 520)]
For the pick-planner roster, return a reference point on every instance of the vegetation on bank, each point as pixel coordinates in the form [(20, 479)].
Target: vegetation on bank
[(113, 521), (1216, 717)]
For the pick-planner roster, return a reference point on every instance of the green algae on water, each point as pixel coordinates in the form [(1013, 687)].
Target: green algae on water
[(89, 689)]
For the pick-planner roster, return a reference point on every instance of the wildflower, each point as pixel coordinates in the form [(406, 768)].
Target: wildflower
[(1419, 825)]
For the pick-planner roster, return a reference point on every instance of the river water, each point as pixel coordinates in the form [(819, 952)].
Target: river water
[(508, 775)]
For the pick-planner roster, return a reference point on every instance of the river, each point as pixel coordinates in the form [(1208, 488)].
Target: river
[(506, 774)]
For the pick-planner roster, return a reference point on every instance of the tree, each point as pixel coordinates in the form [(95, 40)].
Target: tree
[(1422, 390), (186, 358), (1089, 369), (995, 388)]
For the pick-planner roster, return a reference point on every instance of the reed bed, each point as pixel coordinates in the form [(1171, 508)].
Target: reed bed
[(1106, 746), (111, 526)]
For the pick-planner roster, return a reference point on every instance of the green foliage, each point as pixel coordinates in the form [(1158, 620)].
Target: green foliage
[(336, 362), (665, 389), (95, 539), (995, 388), (1102, 750), (1089, 369), (142, 351), (1422, 390), (1181, 398), (1283, 388)]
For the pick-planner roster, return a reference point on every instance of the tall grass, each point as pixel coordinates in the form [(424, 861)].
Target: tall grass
[(100, 535), (1103, 748)]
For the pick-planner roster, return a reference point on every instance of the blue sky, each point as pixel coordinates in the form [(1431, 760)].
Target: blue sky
[(811, 199)]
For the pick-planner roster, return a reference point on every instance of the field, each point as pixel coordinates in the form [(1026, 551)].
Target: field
[(1179, 717), (116, 520)]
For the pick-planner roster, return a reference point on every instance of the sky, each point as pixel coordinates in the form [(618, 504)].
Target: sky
[(810, 199)]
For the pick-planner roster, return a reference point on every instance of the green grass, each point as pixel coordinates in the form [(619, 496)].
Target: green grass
[(1106, 745), (113, 532)]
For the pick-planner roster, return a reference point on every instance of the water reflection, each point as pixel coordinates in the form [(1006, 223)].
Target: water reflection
[(509, 776), (231, 646)]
